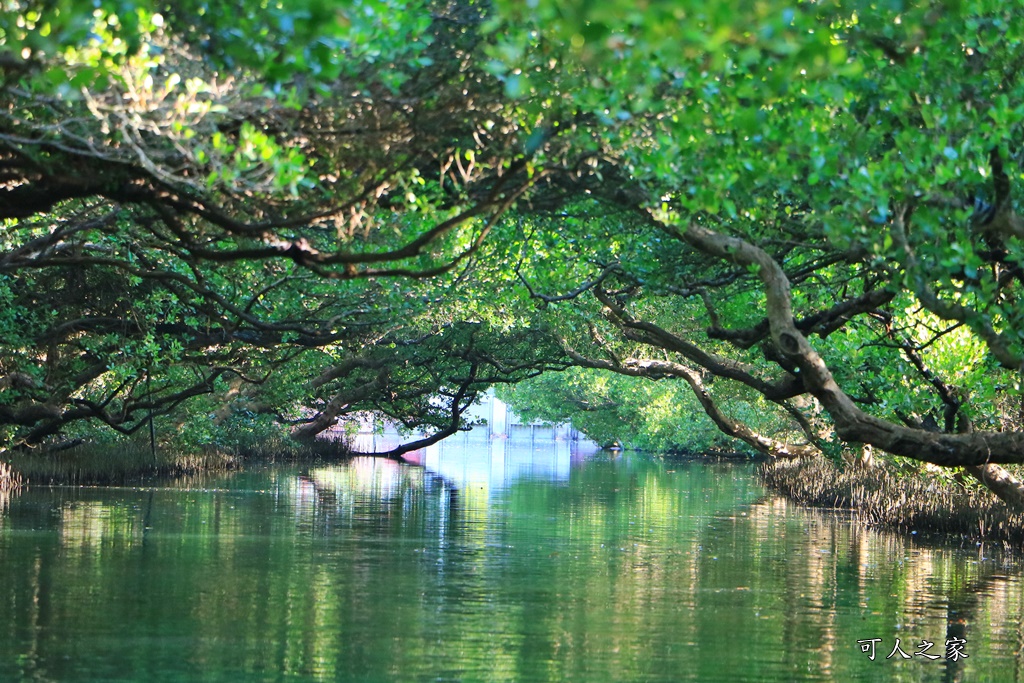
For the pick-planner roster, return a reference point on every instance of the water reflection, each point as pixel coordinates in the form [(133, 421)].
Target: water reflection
[(504, 566), (88, 525), (475, 459), (891, 587), (477, 467), (471, 461)]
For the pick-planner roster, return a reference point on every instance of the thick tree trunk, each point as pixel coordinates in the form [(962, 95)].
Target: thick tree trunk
[(851, 423), (328, 417), (1001, 482)]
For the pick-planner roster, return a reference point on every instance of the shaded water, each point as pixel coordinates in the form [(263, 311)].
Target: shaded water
[(528, 567)]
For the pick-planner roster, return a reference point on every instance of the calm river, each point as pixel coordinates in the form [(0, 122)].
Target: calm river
[(526, 564)]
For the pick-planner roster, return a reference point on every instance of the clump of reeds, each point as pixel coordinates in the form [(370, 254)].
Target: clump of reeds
[(906, 502), (280, 448), (125, 461), (115, 462)]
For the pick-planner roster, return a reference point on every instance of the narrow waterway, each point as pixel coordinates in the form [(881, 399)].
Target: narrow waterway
[(532, 564)]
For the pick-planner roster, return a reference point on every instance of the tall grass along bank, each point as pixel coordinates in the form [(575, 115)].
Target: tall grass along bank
[(891, 499)]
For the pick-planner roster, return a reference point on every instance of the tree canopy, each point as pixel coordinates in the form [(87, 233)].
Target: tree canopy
[(807, 213)]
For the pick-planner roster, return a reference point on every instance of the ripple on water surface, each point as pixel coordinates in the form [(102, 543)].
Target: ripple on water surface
[(484, 566)]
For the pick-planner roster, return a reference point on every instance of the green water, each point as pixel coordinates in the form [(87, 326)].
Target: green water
[(605, 569)]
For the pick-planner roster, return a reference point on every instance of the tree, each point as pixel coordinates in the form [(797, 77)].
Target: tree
[(848, 179), (189, 222), (813, 203)]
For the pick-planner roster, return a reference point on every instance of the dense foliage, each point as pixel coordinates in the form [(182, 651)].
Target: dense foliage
[(803, 214)]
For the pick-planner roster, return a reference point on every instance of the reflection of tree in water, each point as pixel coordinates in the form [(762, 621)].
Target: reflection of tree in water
[(630, 570), (988, 595), (378, 493), (841, 579)]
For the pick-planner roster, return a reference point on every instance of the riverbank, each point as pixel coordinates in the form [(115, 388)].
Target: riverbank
[(130, 461), (911, 503)]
